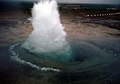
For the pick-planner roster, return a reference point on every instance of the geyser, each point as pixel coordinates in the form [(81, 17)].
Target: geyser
[(48, 38)]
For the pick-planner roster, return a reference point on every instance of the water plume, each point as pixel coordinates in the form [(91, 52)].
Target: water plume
[(48, 37)]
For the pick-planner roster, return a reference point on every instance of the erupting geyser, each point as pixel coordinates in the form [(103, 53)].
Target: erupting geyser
[(48, 37)]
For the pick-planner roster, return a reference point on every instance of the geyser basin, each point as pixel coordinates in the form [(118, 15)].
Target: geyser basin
[(48, 37), (86, 55), (95, 52)]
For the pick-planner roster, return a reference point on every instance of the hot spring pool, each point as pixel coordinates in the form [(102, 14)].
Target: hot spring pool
[(84, 55)]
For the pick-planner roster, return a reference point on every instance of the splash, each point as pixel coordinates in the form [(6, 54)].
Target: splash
[(15, 56), (48, 36)]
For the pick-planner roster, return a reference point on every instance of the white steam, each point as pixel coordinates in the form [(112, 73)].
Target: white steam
[(48, 35)]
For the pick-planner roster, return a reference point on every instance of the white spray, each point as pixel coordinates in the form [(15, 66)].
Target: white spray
[(48, 35)]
